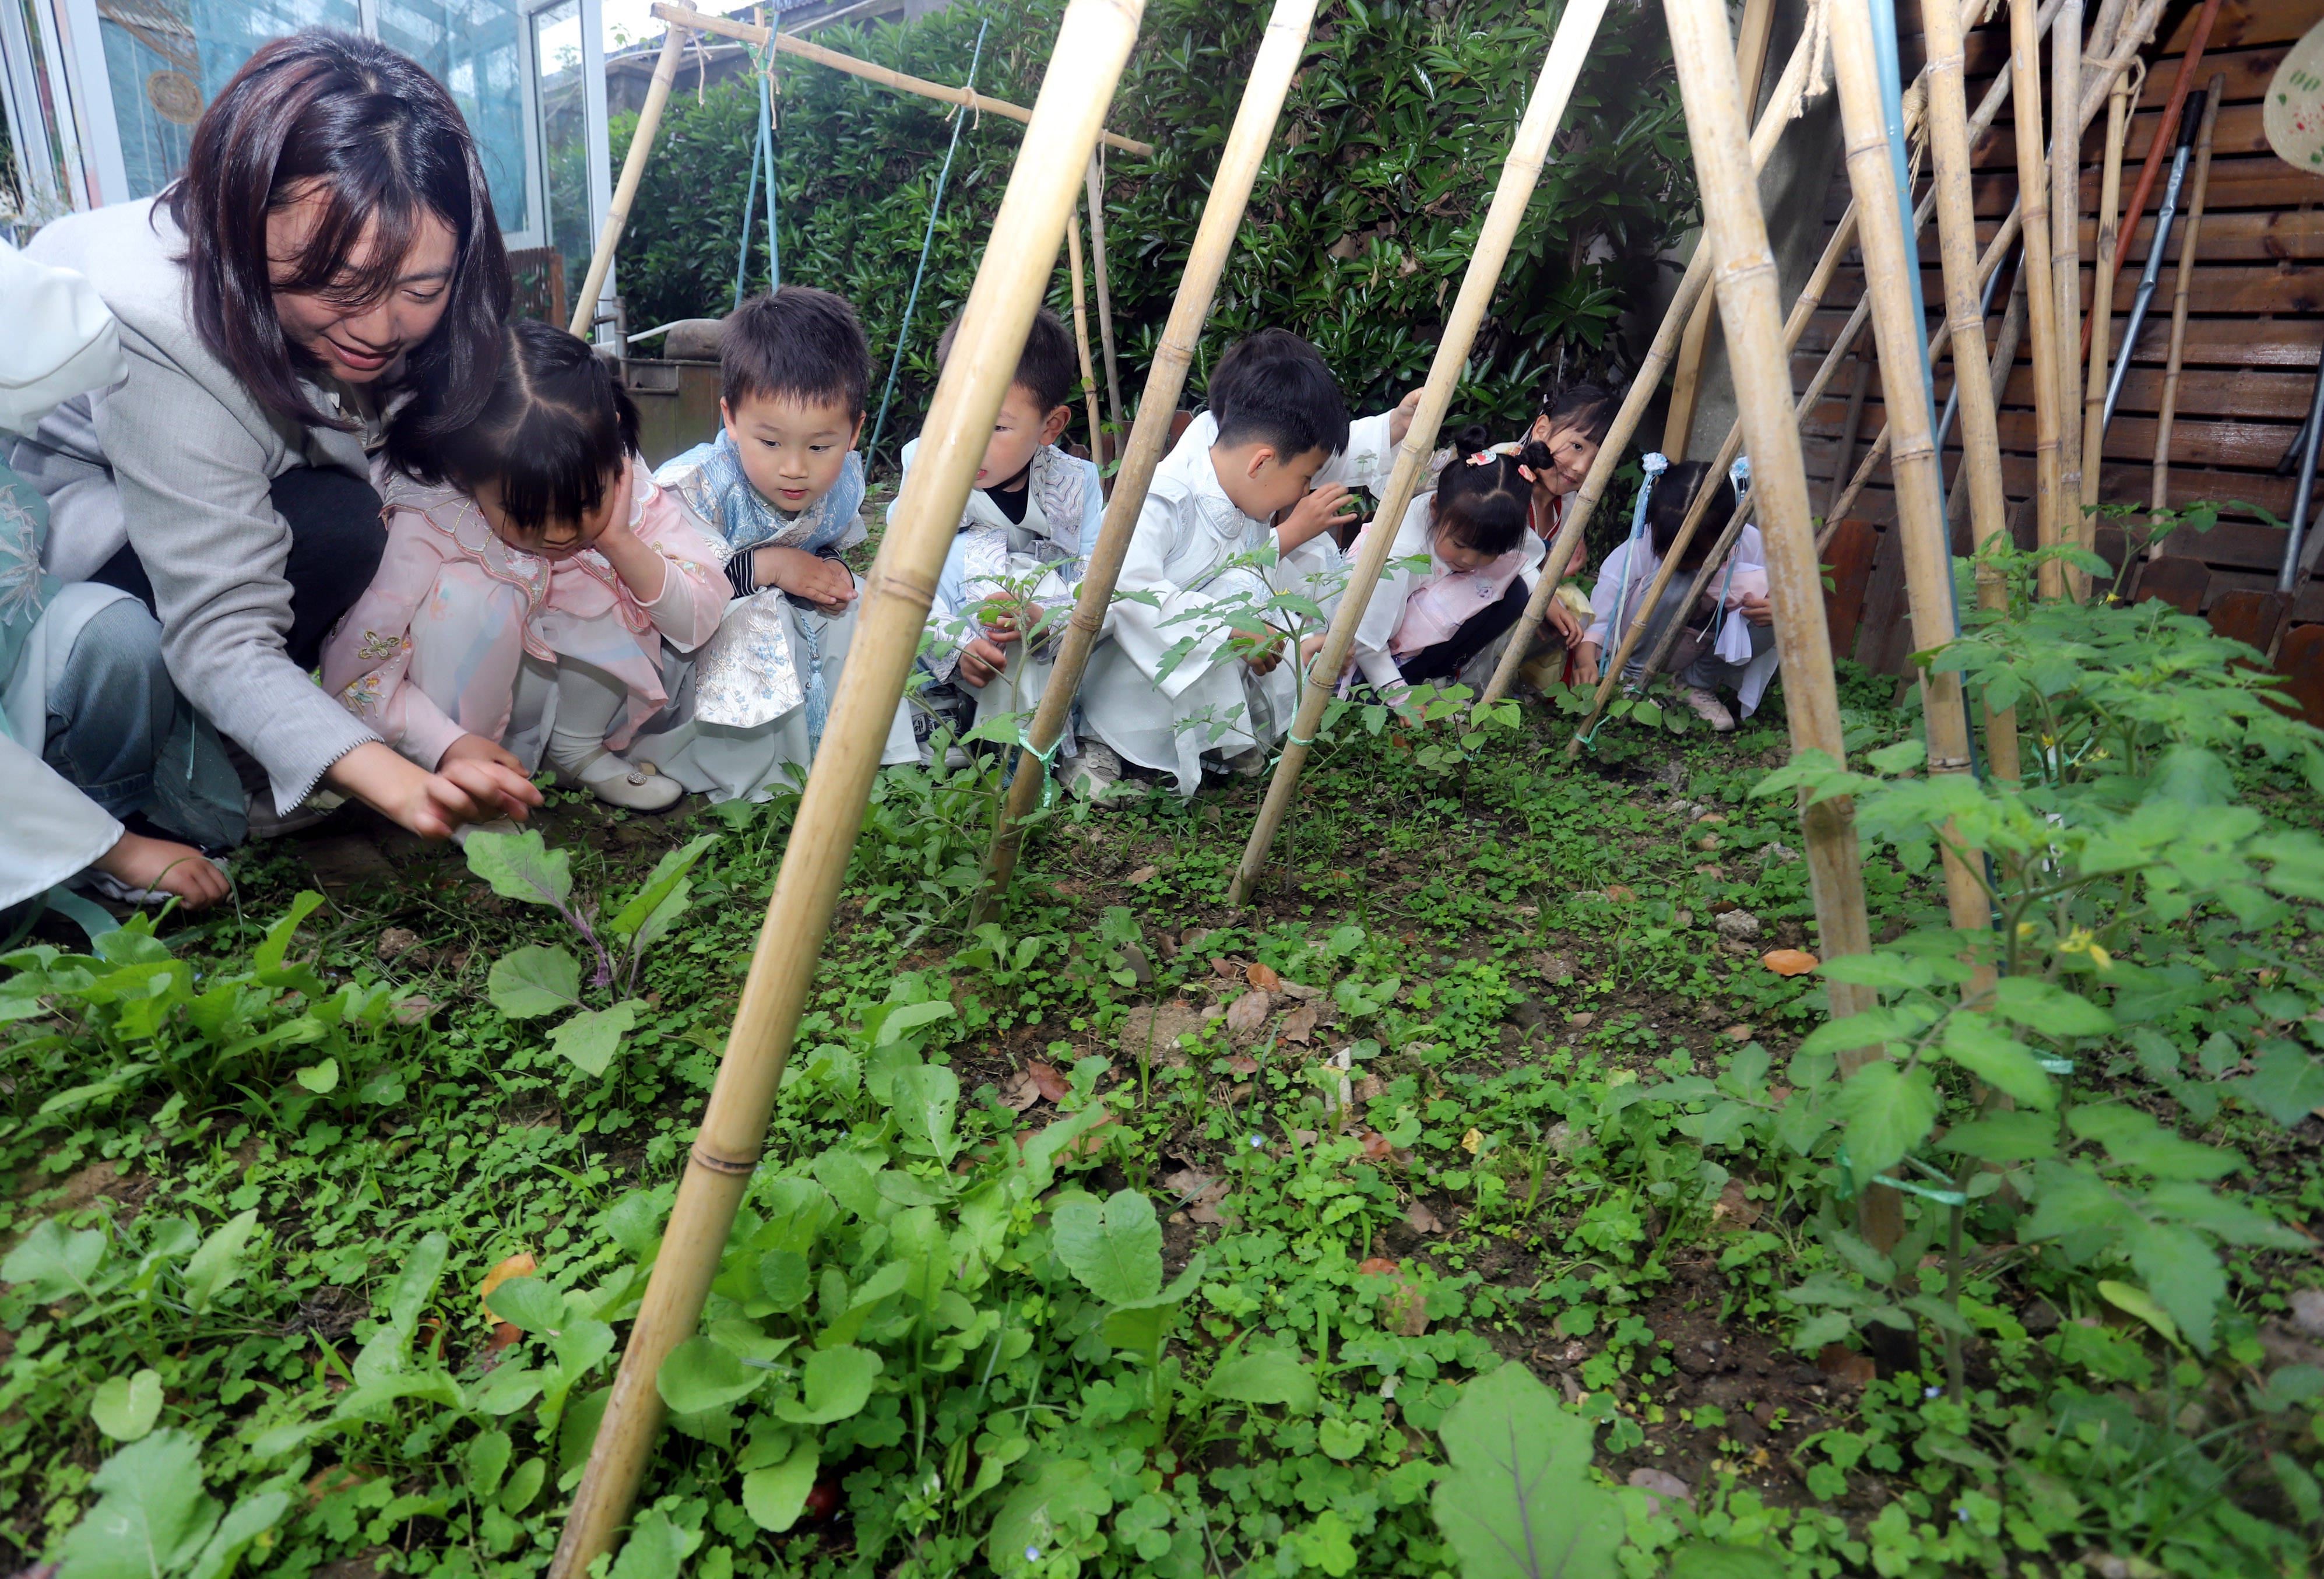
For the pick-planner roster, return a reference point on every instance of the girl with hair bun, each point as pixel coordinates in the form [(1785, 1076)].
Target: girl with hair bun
[(1457, 577)]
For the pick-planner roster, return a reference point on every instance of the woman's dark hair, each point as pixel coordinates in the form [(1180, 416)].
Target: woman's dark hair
[(380, 139), (554, 428), (1482, 505), (1666, 509)]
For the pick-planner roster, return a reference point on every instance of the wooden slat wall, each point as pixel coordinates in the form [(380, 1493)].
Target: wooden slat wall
[(2255, 326)]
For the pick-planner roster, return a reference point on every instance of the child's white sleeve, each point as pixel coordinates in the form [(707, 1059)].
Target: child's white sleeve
[(1092, 506), (1384, 612), (1603, 596), (903, 470)]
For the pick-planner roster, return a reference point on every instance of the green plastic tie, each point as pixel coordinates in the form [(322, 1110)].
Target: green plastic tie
[(1942, 1197), (1049, 780), (2056, 1066)]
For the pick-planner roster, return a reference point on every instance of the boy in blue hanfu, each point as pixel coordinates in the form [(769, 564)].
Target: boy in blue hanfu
[(781, 484)]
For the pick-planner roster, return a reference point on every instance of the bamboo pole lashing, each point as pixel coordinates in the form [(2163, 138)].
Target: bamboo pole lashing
[(2104, 252), (967, 98), (1272, 69), (1686, 384), (1094, 178), (625, 192), (1017, 262), (1736, 235), (2066, 269), (2180, 293), (1082, 340), (1691, 286), (1577, 28), (1965, 307)]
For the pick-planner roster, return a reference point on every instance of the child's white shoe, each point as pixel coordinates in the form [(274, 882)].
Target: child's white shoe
[(1708, 708), (618, 781), (1095, 775)]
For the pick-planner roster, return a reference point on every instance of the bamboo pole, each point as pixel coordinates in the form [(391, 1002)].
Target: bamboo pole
[(1271, 70), (2179, 299), (1094, 178), (1686, 384), (1577, 28), (1989, 506), (1736, 235), (1641, 393), (2159, 151), (967, 98), (2041, 290), (1914, 463), (2066, 272), (2110, 243), (634, 169), (1081, 342), (1094, 40)]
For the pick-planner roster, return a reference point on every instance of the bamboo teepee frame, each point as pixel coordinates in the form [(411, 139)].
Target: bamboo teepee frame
[(625, 192), (1577, 29), (1271, 70), (2041, 293), (1095, 38), (1081, 339), (1691, 286), (2199, 183), (2066, 269), (2107, 249), (1735, 236)]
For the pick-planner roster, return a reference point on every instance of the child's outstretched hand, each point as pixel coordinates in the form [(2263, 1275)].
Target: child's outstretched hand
[(1265, 652), (983, 659), (1564, 621), (824, 582), (1327, 507), (1399, 421), (158, 865)]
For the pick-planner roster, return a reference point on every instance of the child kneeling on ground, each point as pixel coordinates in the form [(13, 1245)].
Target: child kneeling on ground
[(781, 487), (1459, 574), (533, 572), (1030, 522), (1726, 642), (1195, 663)]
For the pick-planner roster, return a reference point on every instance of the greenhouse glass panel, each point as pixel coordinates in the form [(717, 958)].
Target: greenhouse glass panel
[(475, 48)]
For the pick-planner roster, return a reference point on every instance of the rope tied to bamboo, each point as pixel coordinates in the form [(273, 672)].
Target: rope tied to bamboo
[(1815, 38), (1047, 759)]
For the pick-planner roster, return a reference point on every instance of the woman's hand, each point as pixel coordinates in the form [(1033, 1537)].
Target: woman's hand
[(1585, 664), (159, 866), (1757, 610), (464, 789), (823, 583)]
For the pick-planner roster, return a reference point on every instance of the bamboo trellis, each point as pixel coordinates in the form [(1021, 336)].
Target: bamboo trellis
[(1520, 172), (1019, 257), (1271, 71)]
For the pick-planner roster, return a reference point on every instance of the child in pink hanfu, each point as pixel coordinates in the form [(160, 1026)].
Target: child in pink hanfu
[(1457, 577), (533, 573)]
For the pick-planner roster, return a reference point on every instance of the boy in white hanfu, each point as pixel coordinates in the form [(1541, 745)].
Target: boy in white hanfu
[(1030, 522), (1366, 459), (1210, 600)]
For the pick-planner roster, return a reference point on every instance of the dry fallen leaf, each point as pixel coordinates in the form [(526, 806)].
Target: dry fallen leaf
[(1620, 895), (504, 1333), (1789, 962), (1299, 1025), (1421, 1220), (1247, 1013), (1736, 1033), (1046, 1080), (1707, 842), (1144, 875), (1377, 1148), (415, 1008), (1367, 1088), (520, 1265), (1225, 967), (1299, 989), (1734, 1209), (1261, 976), (394, 941), (1019, 1092), (1405, 1311), (1471, 1140), (1842, 1364), (1377, 1266), (1242, 1064)]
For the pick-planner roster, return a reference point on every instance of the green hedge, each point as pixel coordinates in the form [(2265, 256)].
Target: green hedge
[(1364, 216)]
